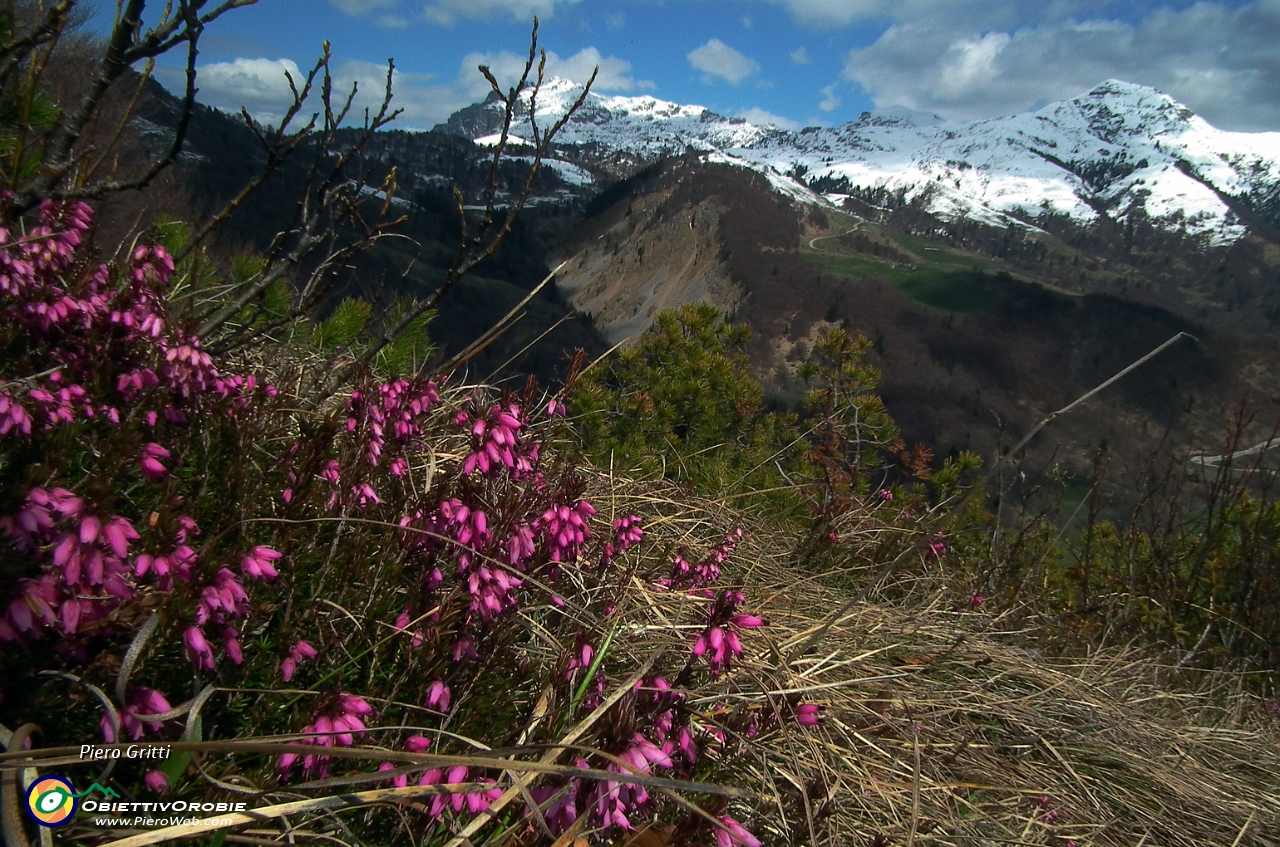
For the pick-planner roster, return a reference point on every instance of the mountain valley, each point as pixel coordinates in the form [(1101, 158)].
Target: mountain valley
[(999, 272)]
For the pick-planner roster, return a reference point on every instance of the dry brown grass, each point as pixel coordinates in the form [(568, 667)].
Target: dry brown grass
[(937, 729)]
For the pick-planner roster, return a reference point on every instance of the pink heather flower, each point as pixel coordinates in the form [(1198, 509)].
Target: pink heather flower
[(365, 495), (402, 623), (142, 704), (885, 495), (439, 696), (89, 529), (399, 780), (13, 417), (736, 834), (564, 529), (118, 533), (150, 461), (351, 704), (520, 546), (495, 442), (156, 782), (225, 598), (687, 745), (976, 600), (258, 564), (417, 744), (302, 651), (231, 645), (807, 714), (198, 649)]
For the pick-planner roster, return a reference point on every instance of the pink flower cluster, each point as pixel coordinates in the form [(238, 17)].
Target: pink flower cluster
[(808, 715), (143, 704), (707, 570), (87, 325), (734, 833), (564, 529), (613, 800), (495, 442), (395, 408), (13, 417), (339, 726), (475, 802), (301, 652), (89, 575), (662, 701), (223, 602), (720, 642), (176, 563), (627, 533)]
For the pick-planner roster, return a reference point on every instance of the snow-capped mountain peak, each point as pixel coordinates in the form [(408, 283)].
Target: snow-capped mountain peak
[(1116, 148)]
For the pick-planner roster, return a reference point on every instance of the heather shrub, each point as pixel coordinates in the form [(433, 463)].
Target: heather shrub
[(410, 566)]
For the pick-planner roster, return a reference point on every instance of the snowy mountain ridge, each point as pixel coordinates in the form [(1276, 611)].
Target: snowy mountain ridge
[(1117, 148)]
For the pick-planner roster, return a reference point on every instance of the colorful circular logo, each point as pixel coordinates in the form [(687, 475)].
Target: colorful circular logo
[(52, 801)]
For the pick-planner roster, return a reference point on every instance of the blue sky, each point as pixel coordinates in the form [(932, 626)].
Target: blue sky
[(796, 62)]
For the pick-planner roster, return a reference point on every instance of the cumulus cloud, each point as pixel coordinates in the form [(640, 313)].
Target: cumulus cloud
[(829, 98), (800, 57), (718, 60), (260, 85), (760, 117), (1219, 59)]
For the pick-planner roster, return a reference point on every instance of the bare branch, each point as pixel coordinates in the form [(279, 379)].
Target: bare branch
[(476, 248), (330, 201)]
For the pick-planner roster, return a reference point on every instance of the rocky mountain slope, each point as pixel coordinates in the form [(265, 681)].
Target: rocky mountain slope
[(976, 340)]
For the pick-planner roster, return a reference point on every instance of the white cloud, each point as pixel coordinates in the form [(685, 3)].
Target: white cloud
[(829, 98), (760, 117), (615, 21), (748, 22), (800, 57), (363, 7), (1219, 59), (615, 73), (718, 60), (828, 14), (260, 86), (448, 11)]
